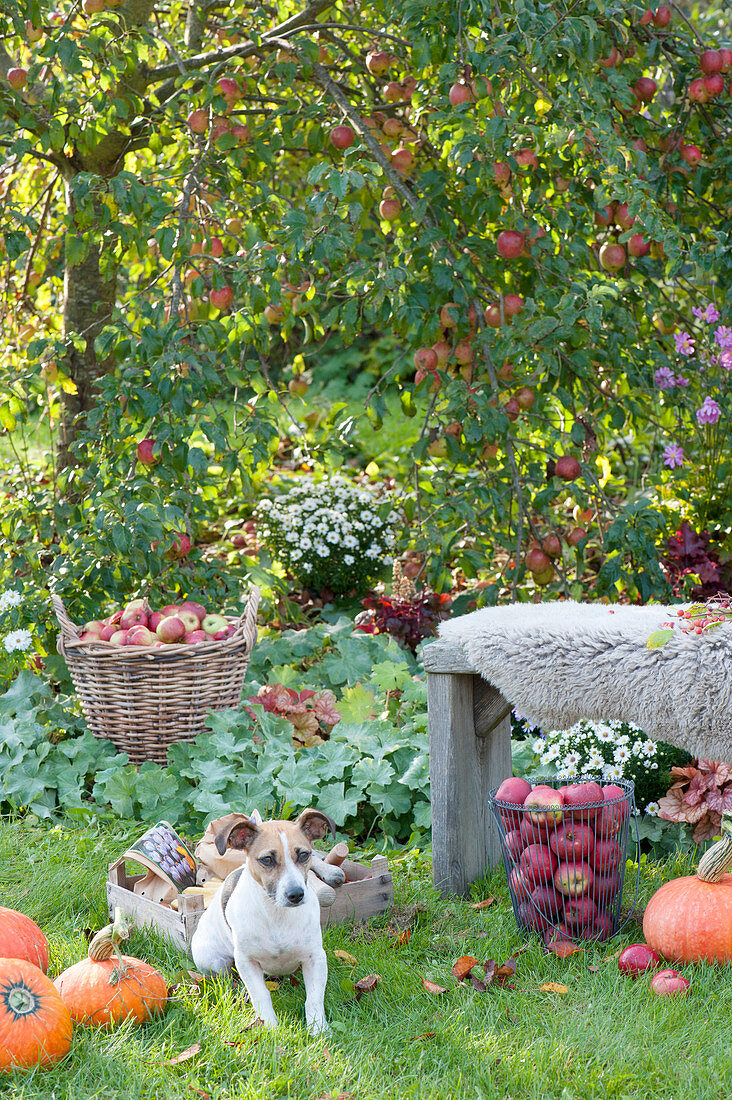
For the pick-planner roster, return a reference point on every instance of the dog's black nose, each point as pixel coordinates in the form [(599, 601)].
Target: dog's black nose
[(295, 896)]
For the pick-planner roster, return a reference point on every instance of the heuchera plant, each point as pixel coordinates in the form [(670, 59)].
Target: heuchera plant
[(689, 554), (312, 713), (408, 615), (698, 796)]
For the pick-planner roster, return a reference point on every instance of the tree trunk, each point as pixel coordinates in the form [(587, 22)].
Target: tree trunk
[(89, 298)]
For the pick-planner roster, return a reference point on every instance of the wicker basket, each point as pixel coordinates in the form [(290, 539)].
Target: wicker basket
[(143, 698)]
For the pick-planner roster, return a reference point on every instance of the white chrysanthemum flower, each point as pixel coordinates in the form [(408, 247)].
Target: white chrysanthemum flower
[(333, 536), (539, 744), (306, 542), (621, 754), (595, 759), (18, 640), (322, 550), (566, 773), (622, 740), (10, 598), (296, 554), (652, 809), (605, 732), (348, 559), (612, 771), (350, 542), (571, 760)]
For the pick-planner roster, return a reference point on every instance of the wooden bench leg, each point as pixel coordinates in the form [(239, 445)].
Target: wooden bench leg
[(470, 753)]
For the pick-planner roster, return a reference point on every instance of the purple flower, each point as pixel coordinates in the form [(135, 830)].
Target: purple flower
[(709, 413), (725, 360), (723, 336), (709, 314), (681, 381), (673, 455), (664, 378), (684, 343)]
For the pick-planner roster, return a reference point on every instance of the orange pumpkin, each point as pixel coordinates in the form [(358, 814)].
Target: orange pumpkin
[(690, 919), (21, 938), (103, 990), (35, 1024)]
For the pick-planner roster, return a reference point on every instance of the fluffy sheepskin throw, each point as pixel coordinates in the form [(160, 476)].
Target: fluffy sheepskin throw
[(560, 662)]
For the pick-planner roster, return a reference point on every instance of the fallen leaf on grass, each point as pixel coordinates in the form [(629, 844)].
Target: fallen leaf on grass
[(184, 1056), (200, 1092), (563, 948), (483, 904), (337, 1096), (433, 987), (507, 969), (366, 985), (426, 1035), (554, 987), (404, 937), (272, 985), (195, 976), (461, 969), (490, 970), (594, 969), (345, 957), (183, 987)]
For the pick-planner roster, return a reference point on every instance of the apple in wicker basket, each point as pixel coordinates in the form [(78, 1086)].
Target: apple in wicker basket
[(196, 609), (171, 629), (140, 635), (212, 624), (195, 637), (134, 614)]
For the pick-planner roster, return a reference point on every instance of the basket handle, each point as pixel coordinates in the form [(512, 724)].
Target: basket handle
[(247, 624), (69, 632)]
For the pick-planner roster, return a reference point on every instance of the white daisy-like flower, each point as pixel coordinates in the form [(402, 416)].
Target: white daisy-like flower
[(566, 773), (595, 759), (10, 598), (612, 771), (571, 760), (549, 756), (333, 536), (621, 754), (539, 744), (306, 542), (605, 733), (349, 542), (18, 640), (296, 554), (322, 550), (652, 809), (622, 740), (348, 559)]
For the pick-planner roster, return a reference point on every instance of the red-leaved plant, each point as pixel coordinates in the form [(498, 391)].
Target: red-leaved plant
[(688, 554), (698, 796), (312, 713), (408, 615)]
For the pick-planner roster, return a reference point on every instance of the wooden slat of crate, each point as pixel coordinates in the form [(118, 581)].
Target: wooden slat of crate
[(354, 901)]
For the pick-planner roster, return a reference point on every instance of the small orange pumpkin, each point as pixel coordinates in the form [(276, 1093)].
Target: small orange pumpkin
[(35, 1024), (21, 938), (690, 919), (102, 990)]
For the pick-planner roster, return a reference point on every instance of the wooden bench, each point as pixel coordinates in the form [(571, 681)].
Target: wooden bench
[(470, 753)]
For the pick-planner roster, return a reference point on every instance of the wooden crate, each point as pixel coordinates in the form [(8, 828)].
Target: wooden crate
[(354, 901)]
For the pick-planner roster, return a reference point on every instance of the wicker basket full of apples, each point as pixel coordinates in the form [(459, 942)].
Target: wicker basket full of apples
[(149, 678), (564, 849)]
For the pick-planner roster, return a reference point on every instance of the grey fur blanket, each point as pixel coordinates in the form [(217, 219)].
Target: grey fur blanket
[(560, 662)]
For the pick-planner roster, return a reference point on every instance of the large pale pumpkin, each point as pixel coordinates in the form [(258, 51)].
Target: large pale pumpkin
[(690, 919), (21, 938), (108, 987), (35, 1024)]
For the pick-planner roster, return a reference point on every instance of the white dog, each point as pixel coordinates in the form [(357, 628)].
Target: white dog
[(265, 918)]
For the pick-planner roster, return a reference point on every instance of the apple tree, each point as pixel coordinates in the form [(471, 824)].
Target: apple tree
[(530, 198)]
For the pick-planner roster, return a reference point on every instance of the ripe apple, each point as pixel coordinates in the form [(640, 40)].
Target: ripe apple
[(603, 926), (726, 59), (512, 409), (213, 622), (637, 959), (605, 888), (196, 609), (442, 350), (392, 127), (222, 298), (513, 304), (501, 172), (95, 626), (518, 884), (17, 78), (171, 629), (460, 93), (526, 158), (145, 451), (611, 60), (547, 900), (576, 535), (153, 619), (711, 62), (528, 917), (514, 844), (394, 92), (140, 635), (668, 983), (612, 815), (227, 632), (526, 399), (586, 798), (638, 246), (242, 133), (181, 546), (119, 637), (697, 92), (573, 879), (692, 154), (463, 352), (403, 160), (605, 216), (662, 16), (545, 805), (93, 7), (510, 244), (107, 631), (532, 833), (342, 137), (714, 85), (621, 216), (198, 121), (552, 545), (567, 467), (512, 791), (579, 913), (194, 637), (538, 864), (426, 359), (645, 88), (572, 842), (537, 561), (645, 19), (229, 89), (170, 609), (190, 621), (134, 614), (378, 62), (612, 256), (389, 209), (607, 855)]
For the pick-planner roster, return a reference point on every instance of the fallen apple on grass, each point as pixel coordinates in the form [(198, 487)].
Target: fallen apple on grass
[(668, 983), (637, 959)]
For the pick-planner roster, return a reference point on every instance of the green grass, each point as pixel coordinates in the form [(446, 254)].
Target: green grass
[(607, 1037)]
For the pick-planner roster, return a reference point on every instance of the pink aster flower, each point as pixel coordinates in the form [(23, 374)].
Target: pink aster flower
[(673, 455), (723, 336), (684, 343), (681, 381), (725, 360), (664, 378), (710, 313), (709, 413)]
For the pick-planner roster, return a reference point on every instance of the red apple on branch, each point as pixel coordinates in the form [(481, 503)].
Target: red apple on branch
[(378, 62), (342, 137), (510, 244), (711, 62), (146, 451), (662, 16), (567, 468), (17, 78), (460, 93), (612, 256), (222, 298)]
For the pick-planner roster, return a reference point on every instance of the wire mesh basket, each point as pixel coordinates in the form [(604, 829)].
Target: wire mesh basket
[(565, 857), (144, 699)]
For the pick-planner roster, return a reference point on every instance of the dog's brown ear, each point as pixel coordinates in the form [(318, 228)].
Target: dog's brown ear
[(315, 824), (236, 834)]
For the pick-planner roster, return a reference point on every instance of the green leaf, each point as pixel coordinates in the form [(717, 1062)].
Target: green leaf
[(659, 638)]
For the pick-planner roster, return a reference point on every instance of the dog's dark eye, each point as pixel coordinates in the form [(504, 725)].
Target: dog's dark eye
[(303, 857), (267, 861)]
